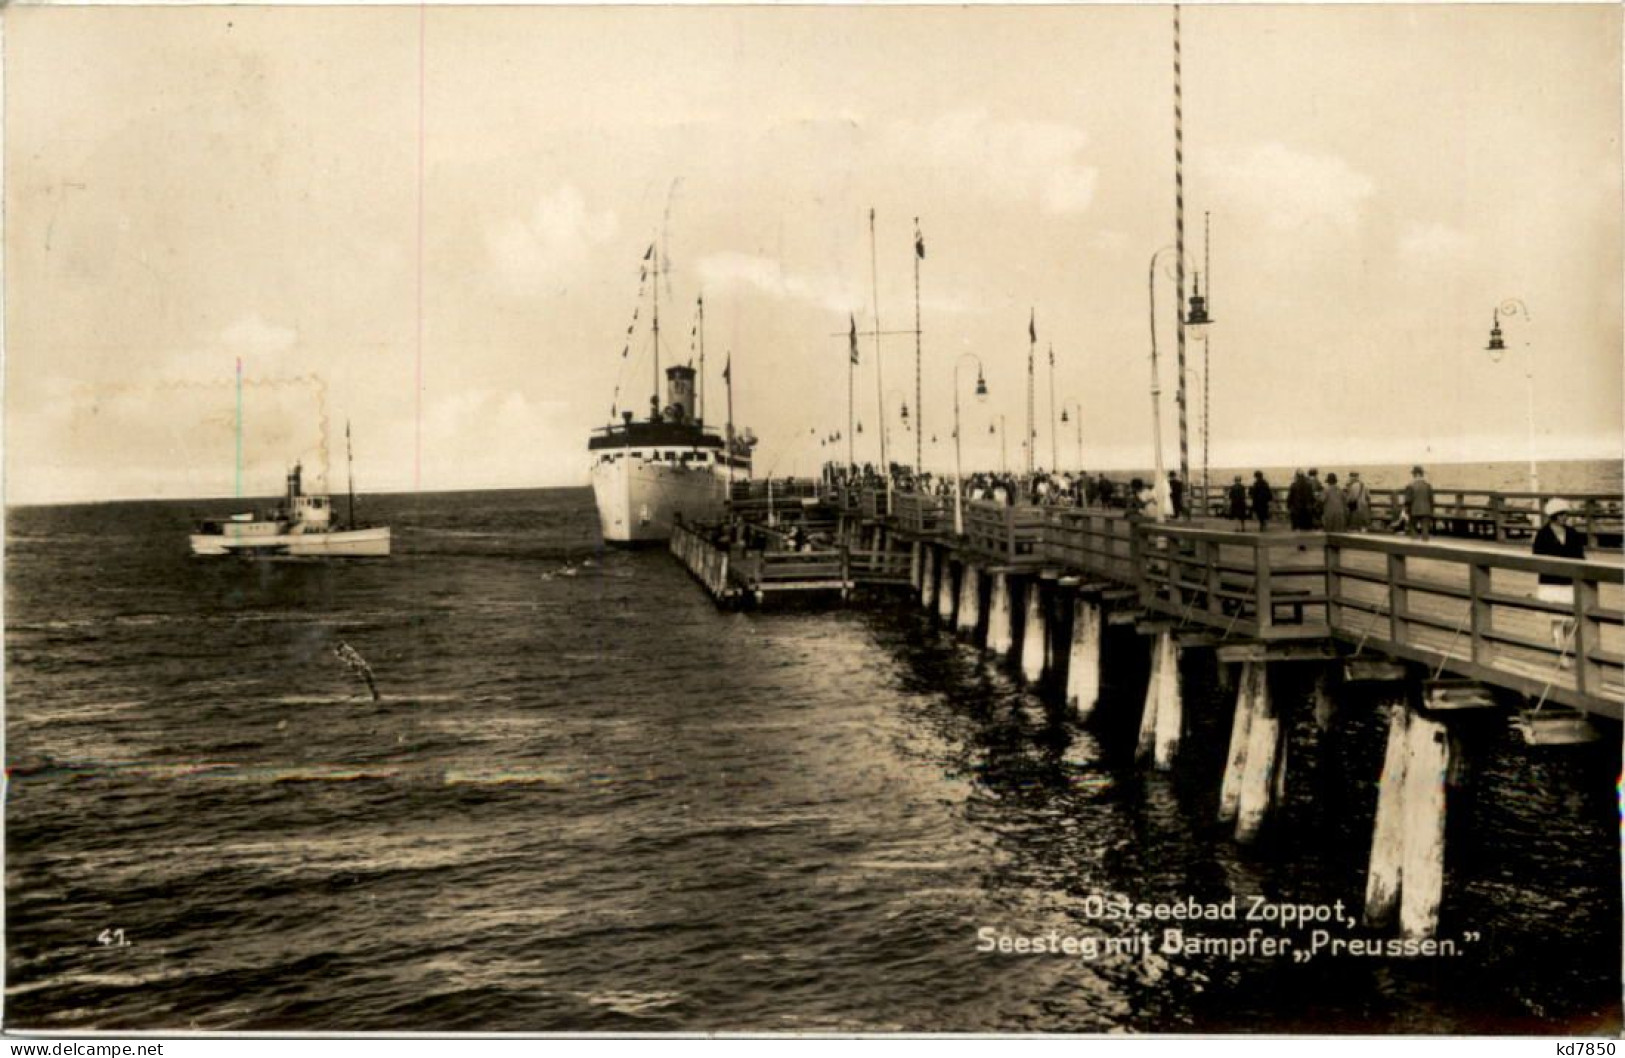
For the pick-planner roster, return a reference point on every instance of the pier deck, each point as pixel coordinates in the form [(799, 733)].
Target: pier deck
[(1466, 606)]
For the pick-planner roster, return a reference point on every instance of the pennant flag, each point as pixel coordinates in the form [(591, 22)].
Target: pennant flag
[(650, 252), (919, 240), (1052, 356), (1032, 326), (728, 369), (624, 350), (854, 337)]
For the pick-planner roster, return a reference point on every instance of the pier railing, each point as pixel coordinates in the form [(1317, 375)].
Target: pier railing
[(1010, 536), (922, 514), (1478, 614), (1093, 541), (1255, 585)]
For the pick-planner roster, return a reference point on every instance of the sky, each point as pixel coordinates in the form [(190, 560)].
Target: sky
[(429, 223)]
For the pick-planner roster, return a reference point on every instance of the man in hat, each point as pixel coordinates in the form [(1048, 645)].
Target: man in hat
[(1418, 504), (1557, 539)]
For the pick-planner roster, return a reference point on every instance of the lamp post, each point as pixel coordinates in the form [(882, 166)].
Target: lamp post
[(1497, 350), (1004, 450), (1078, 421), (959, 464), (1196, 322)]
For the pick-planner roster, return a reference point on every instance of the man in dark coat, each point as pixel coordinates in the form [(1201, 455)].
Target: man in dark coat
[(1238, 503), (1263, 497), (1300, 502)]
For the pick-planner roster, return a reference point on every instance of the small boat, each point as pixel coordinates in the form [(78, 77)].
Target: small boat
[(302, 526)]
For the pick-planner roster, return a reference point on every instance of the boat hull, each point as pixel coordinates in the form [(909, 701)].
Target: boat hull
[(638, 500), (372, 542)]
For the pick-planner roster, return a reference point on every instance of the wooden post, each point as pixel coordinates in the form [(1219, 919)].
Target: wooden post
[(945, 593), (1325, 701), (970, 600), (914, 564), (928, 577), (1083, 667), (1148, 717), (1170, 706), (1256, 794), (1252, 675), (1033, 631), (1387, 841), (1421, 872), (1000, 636)]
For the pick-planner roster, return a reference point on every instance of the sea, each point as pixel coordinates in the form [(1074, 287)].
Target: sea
[(589, 801)]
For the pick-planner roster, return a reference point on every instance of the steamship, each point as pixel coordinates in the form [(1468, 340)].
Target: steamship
[(649, 473)]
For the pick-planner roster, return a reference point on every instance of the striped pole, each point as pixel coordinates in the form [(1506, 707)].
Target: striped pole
[(1179, 251)]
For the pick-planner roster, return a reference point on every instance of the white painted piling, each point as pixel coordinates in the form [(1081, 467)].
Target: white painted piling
[(1421, 872), (1033, 634), (914, 564), (1382, 880), (1083, 666), (945, 593), (928, 578), (1247, 691), (1256, 795), (1146, 744), (1000, 636), (970, 600), (1170, 703)]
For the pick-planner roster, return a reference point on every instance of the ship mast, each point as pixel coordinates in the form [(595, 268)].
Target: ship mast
[(654, 409), (349, 470), (699, 394)]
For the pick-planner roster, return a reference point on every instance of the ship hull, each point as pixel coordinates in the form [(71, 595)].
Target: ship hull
[(350, 543), (638, 500)]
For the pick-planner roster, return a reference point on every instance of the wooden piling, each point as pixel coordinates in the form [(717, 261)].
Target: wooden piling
[(970, 600), (945, 592), (1033, 631), (1382, 880), (1325, 701), (1163, 715), (1000, 636), (928, 578), (914, 550), (1256, 794), (1421, 872), (1083, 667), (1247, 692)]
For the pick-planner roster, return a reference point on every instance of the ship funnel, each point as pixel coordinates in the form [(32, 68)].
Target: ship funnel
[(293, 484), (679, 394)]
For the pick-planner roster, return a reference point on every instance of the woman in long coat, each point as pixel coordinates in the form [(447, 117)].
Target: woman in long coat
[(1334, 516)]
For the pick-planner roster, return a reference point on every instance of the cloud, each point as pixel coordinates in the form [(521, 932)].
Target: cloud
[(731, 270), (253, 334), (1009, 160), (1291, 189), (1434, 244), (543, 248)]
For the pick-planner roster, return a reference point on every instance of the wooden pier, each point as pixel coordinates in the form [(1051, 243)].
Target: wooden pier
[(1458, 623)]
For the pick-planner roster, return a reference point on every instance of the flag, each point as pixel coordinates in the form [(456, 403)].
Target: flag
[(1032, 327), (919, 240), (650, 252), (854, 337), (728, 369), (1052, 356)]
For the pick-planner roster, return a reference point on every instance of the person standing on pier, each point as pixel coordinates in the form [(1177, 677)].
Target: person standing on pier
[(1300, 502), (1418, 504), (1263, 496), (1176, 493), (1334, 512), (1557, 539), (1238, 504), (1358, 500)]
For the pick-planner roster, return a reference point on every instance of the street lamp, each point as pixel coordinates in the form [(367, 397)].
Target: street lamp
[(1077, 420), (1497, 351), (959, 463), (1004, 450)]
